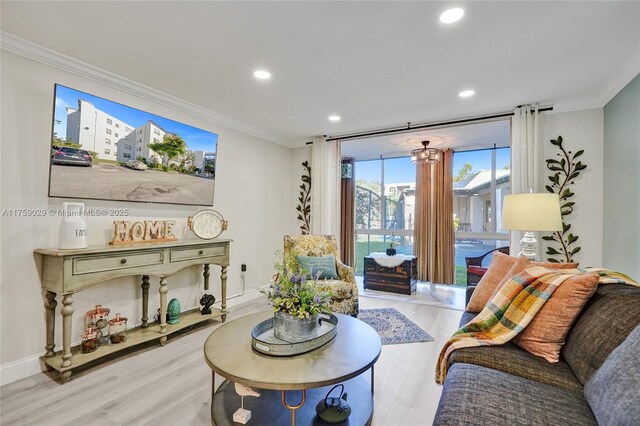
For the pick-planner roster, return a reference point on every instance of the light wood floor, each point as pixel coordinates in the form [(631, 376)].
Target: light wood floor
[(171, 385)]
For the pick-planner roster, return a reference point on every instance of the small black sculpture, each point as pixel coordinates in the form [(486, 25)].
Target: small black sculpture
[(157, 316), (206, 301)]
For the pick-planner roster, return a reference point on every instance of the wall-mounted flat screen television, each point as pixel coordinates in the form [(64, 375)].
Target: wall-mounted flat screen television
[(104, 150)]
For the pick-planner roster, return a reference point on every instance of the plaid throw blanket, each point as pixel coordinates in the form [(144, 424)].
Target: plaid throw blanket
[(513, 308)]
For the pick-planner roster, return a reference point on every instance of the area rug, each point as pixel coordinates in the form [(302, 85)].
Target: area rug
[(393, 327)]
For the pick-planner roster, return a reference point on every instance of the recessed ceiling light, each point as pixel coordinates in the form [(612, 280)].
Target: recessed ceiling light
[(262, 75), (334, 118), (466, 93), (450, 16)]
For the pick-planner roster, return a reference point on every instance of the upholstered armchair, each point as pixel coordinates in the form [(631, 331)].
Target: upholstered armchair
[(344, 290)]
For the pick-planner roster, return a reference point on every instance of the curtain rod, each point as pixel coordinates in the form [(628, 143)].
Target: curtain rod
[(410, 128)]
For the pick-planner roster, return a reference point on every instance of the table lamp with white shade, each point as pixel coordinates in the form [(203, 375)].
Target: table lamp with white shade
[(531, 212)]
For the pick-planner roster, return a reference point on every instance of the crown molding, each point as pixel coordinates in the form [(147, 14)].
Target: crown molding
[(627, 72), (27, 49), (576, 104), (629, 69)]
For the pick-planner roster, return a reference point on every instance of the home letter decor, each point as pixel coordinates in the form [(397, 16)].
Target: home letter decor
[(153, 230), (121, 230), (147, 231)]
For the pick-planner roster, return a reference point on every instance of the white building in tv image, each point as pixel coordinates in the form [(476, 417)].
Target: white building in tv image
[(136, 143), (95, 130), (115, 140), (201, 157)]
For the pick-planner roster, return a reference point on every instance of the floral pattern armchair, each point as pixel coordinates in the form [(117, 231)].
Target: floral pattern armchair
[(344, 292)]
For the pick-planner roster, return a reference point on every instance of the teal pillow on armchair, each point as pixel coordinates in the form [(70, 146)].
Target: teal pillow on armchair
[(324, 267)]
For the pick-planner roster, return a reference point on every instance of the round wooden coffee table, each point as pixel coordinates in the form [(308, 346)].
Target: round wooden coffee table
[(228, 351)]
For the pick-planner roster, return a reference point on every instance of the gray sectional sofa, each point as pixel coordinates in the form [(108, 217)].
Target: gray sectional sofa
[(597, 380)]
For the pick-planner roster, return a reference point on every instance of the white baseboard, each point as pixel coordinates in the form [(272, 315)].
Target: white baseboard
[(248, 295), (25, 367), (17, 370)]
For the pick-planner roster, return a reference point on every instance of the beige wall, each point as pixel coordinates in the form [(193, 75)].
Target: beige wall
[(253, 187)]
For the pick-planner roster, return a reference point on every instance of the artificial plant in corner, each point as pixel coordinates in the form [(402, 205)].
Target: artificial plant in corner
[(564, 172), (304, 198)]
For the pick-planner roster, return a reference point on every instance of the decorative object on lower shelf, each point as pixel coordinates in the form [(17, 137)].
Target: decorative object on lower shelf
[(241, 415), (89, 341), (173, 311), (157, 316), (206, 301), (118, 329), (98, 319), (334, 409)]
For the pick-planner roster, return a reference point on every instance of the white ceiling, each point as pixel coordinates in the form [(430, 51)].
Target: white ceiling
[(376, 64)]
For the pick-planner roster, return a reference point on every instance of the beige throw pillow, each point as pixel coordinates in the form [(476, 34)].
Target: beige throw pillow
[(545, 334), (498, 268)]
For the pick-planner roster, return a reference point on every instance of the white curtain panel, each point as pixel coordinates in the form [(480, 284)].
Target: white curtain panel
[(527, 163), (325, 188)]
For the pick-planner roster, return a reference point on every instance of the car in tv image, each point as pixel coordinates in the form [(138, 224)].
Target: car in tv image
[(72, 156), (136, 165), (115, 143)]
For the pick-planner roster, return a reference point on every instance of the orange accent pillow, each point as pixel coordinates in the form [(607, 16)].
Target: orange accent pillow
[(545, 334), (498, 268), (523, 263)]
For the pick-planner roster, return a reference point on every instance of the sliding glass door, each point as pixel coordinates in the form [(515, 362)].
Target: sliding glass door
[(481, 180), (385, 201)]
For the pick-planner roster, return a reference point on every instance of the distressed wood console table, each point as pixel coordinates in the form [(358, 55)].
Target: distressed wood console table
[(67, 272)]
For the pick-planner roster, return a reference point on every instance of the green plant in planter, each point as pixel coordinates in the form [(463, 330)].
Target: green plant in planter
[(565, 171), (292, 293)]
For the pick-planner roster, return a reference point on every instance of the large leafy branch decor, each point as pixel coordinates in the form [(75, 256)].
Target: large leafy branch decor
[(565, 171), (304, 198)]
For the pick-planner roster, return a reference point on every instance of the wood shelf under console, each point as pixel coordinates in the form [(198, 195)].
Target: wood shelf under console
[(135, 337), (70, 271)]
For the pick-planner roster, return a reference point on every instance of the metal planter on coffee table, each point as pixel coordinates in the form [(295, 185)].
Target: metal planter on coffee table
[(293, 329), (264, 340)]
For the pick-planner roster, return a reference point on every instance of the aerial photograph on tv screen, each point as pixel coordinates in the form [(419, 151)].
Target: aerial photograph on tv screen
[(108, 151)]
